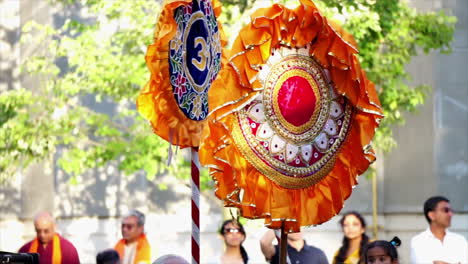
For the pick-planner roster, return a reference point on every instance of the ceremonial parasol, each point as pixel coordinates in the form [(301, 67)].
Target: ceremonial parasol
[(291, 119), (184, 59)]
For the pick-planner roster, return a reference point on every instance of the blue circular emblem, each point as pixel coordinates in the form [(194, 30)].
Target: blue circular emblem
[(194, 57)]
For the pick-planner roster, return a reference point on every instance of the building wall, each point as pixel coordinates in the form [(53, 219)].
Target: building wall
[(451, 113), (432, 153), (432, 146), (431, 158)]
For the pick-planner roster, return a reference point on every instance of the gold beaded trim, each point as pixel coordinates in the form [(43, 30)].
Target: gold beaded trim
[(291, 127), (311, 71), (279, 172)]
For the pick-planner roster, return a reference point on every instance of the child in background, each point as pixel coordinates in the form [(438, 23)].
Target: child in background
[(382, 252)]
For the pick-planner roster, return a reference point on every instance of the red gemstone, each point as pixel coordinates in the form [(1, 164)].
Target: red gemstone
[(296, 100)]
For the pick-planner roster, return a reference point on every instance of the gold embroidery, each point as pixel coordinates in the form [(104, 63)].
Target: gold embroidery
[(203, 54), (293, 128), (278, 171), (306, 67)]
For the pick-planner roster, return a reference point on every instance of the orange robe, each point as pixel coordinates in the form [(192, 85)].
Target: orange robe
[(59, 251), (143, 250)]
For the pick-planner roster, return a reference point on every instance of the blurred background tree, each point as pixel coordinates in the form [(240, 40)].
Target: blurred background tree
[(81, 113)]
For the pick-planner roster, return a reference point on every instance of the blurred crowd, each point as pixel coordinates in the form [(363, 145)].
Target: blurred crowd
[(436, 244)]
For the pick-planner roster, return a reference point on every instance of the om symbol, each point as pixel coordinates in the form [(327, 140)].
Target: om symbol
[(203, 54), (197, 54)]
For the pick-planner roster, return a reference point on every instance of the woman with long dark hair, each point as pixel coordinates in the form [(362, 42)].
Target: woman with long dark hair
[(355, 239), (233, 234)]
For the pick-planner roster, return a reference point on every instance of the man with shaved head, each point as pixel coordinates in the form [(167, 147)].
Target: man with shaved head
[(52, 248)]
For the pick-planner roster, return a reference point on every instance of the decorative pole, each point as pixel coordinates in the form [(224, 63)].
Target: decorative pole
[(375, 226), (195, 164), (182, 82), (283, 245)]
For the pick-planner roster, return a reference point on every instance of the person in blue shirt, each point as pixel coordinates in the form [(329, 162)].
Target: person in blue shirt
[(299, 252)]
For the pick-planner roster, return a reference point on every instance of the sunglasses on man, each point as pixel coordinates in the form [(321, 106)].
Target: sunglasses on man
[(447, 210), (128, 226)]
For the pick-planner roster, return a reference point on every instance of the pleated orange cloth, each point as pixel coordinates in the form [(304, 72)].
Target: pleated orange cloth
[(184, 59), (291, 119)]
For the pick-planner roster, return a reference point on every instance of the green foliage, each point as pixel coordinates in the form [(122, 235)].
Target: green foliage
[(241, 4), (104, 67), (389, 34)]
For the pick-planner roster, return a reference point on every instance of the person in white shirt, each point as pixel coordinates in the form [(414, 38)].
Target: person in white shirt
[(436, 244)]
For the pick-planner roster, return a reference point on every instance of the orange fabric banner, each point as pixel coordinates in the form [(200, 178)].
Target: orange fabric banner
[(292, 117)]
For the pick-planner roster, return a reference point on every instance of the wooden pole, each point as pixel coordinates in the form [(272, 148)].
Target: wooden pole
[(283, 245), (375, 228)]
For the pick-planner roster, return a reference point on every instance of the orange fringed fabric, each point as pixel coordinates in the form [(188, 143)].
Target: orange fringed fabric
[(238, 183), (156, 101)]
